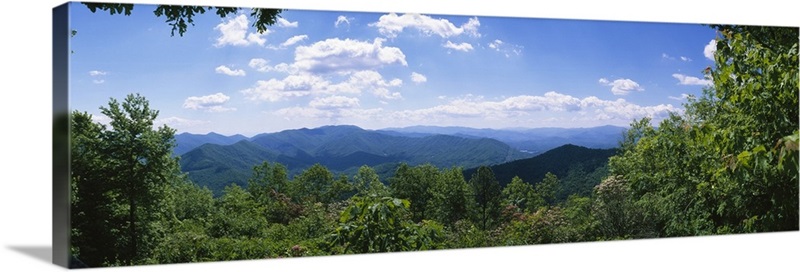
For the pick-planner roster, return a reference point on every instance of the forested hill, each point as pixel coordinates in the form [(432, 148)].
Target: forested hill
[(342, 149), (561, 161)]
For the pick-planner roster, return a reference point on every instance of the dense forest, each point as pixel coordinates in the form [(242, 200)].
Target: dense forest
[(729, 164)]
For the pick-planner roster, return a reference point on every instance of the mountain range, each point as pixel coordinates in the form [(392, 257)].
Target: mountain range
[(216, 160)]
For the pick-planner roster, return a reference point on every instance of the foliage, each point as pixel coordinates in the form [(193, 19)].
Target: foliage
[(372, 224), (522, 196), (487, 195), (366, 182), (450, 202), (413, 184), (179, 17), (120, 176), (729, 165)]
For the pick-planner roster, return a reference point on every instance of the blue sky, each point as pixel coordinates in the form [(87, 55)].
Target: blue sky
[(378, 70)]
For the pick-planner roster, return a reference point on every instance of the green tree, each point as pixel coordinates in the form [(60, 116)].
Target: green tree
[(121, 176), (730, 163), (267, 178), (367, 182), (92, 216), (313, 185), (141, 160), (450, 197), (755, 102), (179, 17), (522, 195), (549, 188), (414, 184), (487, 195), (382, 224)]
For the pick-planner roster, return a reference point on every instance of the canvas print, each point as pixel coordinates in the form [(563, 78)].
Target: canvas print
[(212, 133)]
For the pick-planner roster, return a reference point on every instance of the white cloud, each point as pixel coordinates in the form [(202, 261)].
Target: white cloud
[(292, 86), (293, 40), (177, 122), (710, 49), (101, 119), (222, 69), (262, 65), (97, 73), (418, 78), (285, 23), (506, 48), (686, 59), (690, 80), (345, 56), (390, 25), (304, 84), (98, 81), (209, 103), (593, 108), (335, 101), (342, 20), (621, 86), (464, 47), (234, 32), (668, 57), (682, 97)]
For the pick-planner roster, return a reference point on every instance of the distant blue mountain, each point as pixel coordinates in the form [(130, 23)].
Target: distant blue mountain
[(187, 141), (529, 140)]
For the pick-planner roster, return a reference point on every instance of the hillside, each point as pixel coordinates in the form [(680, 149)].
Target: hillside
[(560, 161)]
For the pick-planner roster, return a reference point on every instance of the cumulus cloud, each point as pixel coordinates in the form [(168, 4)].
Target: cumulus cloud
[(710, 49), (222, 69), (345, 56), (285, 23), (690, 80), (464, 47), (342, 20), (390, 25), (292, 86), (209, 103), (306, 84), (621, 86), (418, 78), (234, 32)]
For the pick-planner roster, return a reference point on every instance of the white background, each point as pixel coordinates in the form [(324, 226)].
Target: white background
[(26, 104)]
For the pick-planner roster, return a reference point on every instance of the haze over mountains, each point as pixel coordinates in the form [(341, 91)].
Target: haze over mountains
[(216, 160)]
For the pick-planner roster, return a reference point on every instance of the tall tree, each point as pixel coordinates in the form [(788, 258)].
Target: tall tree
[(487, 194), (141, 160), (120, 178)]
